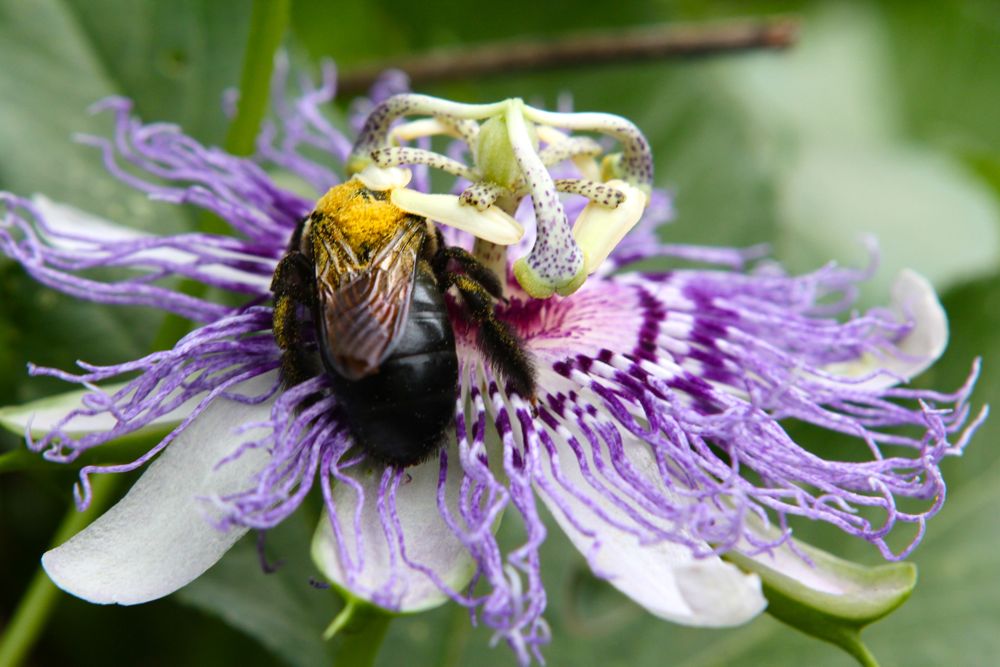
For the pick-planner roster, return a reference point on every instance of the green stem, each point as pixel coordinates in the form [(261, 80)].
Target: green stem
[(268, 21), (356, 633), (267, 28), (39, 600), (852, 644)]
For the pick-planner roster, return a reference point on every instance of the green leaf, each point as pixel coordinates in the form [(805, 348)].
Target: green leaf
[(174, 59), (831, 131), (944, 59), (50, 329), (54, 70), (833, 85), (281, 610), (924, 209), (59, 57)]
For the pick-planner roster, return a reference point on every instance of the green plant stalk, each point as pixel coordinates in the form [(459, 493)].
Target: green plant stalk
[(820, 625), (356, 633), (268, 21), (267, 28), (39, 600)]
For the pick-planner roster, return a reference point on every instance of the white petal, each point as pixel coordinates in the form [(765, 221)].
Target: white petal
[(663, 577), (67, 221), (44, 414), (429, 541), (491, 225), (598, 229), (158, 537), (913, 299), (718, 593), (378, 178)]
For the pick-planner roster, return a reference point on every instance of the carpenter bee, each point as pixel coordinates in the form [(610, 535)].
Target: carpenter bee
[(372, 279)]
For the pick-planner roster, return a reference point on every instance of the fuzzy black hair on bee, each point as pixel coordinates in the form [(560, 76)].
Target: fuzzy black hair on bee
[(373, 279)]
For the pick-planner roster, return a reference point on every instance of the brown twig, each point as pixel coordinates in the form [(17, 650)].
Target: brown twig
[(649, 43)]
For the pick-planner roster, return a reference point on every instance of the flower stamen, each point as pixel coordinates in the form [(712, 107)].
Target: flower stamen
[(507, 165)]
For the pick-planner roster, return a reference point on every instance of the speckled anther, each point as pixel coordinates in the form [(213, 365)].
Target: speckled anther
[(599, 193), (465, 129), (582, 151), (503, 141), (636, 163), (482, 195), (400, 155), (375, 132)]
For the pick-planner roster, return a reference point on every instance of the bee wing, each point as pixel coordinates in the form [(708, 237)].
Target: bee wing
[(364, 313)]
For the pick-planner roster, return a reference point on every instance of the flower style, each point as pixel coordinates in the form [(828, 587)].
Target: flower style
[(654, 439)]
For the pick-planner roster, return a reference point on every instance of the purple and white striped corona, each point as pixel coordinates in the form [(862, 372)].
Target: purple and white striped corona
[(656, 440)]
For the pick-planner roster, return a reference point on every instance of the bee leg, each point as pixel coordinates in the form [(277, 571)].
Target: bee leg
[(471, 266), (293, 286), (503, 349)]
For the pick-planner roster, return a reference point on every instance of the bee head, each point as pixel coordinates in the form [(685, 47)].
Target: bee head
[(364, 216)]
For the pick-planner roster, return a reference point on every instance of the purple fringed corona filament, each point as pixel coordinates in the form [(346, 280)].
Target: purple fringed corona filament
[(655, 440)]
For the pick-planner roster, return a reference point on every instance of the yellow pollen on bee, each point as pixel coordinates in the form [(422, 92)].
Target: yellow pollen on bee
[(365, 222)]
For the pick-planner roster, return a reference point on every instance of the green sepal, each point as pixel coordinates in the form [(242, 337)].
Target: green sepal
[(866, 595)]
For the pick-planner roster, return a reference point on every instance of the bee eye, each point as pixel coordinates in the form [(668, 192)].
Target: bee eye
[(304, 243)]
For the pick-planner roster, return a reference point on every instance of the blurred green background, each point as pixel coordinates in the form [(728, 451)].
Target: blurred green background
[(884, 120)]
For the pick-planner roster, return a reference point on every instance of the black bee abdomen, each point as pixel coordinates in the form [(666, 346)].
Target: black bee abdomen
[(401, 414)]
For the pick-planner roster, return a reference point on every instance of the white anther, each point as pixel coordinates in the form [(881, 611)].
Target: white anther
[(491, 224), (389, 178), (599, 228)]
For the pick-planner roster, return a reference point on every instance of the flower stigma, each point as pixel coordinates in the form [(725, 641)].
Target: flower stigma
[(503, 140)]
